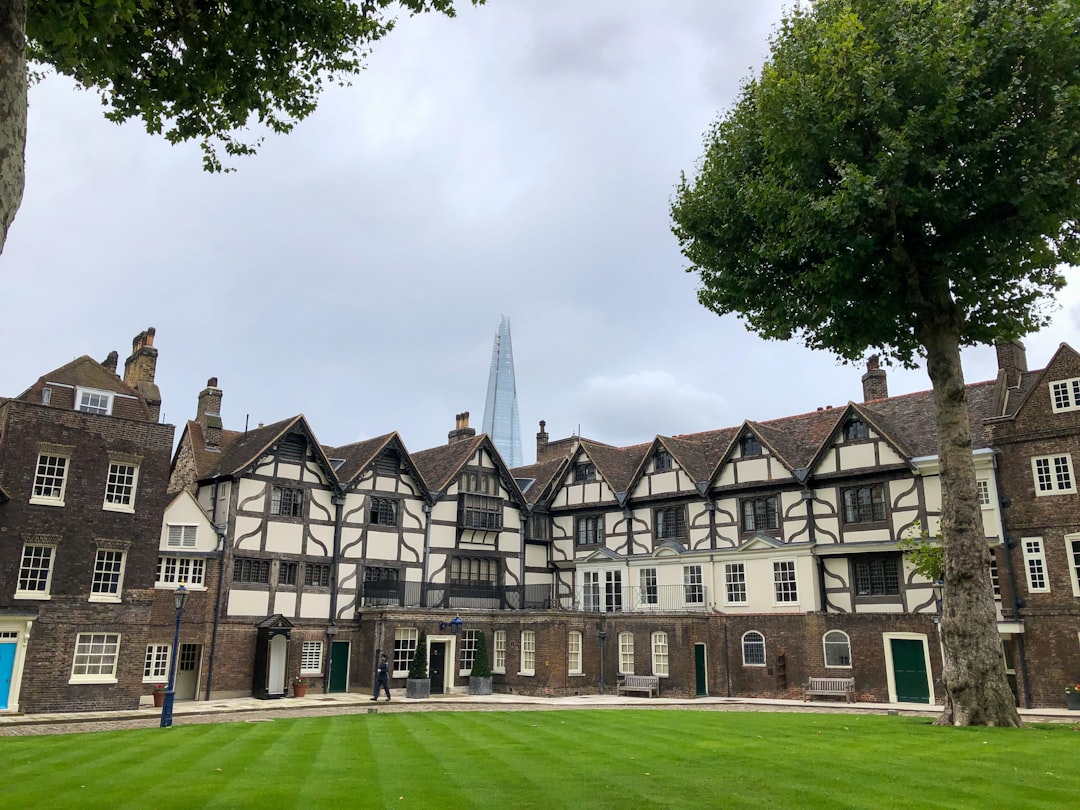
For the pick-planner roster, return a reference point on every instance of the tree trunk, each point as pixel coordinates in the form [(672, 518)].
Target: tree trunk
[(12, 111), (976, 690)]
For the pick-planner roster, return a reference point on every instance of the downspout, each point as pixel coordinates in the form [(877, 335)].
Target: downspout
[(802, 475), (221, 533), (727, 659), (428, 508), (338, 500), (1016, 602)]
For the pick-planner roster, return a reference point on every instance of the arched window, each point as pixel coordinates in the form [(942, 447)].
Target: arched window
[(753, 649), (626, 653), (837, 649)]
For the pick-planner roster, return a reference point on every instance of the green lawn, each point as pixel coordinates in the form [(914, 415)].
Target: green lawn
[(549, 759)]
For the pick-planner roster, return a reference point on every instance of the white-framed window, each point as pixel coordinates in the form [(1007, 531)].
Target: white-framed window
[(660, 654), (837, 647), (735, 583), (785, 587), (1053, 474), (528, 652), (650, 594), (120, 487), (498, 649), (613, 591), (405, 641), (995, 580), (982, 488), (90, 400), (626, 653), (50, 479), (1035, 565), (286, 502), (182, 536), (1065, 395), (156, 666), (573, 652), (108, 579), (693, 585), (187, 571), (468, 651), (35, 572), (590, 590), (311, 658), (95, 658), (1072, 549), (753, 649)]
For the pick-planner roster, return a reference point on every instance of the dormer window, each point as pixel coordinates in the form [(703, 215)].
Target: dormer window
[(662, 460), (584, 471), (749, 446), (855, 429), (1065, 395), (89, 400)]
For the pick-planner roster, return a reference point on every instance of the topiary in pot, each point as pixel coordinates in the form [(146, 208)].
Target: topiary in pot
[(418, 684), (480, 676)]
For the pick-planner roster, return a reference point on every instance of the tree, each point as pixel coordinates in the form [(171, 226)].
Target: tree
[(903, 176), (418, 665), (198, 70), (481, 667)]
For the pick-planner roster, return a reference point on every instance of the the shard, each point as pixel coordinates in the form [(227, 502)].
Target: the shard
[(501, 420)]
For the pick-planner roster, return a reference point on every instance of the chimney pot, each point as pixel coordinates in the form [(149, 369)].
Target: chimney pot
[(875, 385), (1012, 360), (110, 361)]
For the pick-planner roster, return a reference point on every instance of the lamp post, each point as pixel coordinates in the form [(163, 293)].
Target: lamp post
[(600, 636), (180, 597)]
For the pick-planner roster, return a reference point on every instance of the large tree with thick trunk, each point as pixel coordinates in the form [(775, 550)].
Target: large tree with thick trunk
[(903, 176), (202, 70)]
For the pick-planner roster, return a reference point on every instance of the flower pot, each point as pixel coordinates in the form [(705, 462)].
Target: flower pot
[(299, 689), (159, 699), (1072, 701), (479, 686), (418, 688)]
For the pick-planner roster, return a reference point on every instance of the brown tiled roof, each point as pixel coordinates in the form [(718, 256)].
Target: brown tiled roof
[(617, 465), (440, 464), (700, 453), (246, 448), (87, 372), (796, 439), (358, 455), (542, 473)]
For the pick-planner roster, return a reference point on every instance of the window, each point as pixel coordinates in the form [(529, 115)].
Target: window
[(864, 504), (995, 582), (735, 583), (286, 573), (1065, 395), (383, 512), (760, 513), (248, 570), (538, 527), (375, 573), (482, 512), (590, 590), (659, 654), (468, 650), (693, 587), (311, 658), (670, 523), (662, 461), (590, 530), (95, 658), (49, 480), (1072, 549), (528, 652), (749, 446), (180, 536), (753, 649), (387, 463), (286, 502), (317, 575), (584, 471), (480, 483), (1035, 565), (784, 586), (120, 487), (476, 571), (649, 592), (837, 648), (877, 576), (405, 640), (35, 572), (573, 652), (172, 571), (156, 666), (626, 653), (95, 402), (854, 430), (108, 576), (982, 489), (1053, 474), (498, 647), (613, 591)]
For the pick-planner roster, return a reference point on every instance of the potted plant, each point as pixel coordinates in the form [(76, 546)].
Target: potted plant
[(480, 675), (418, 685), (299, 687), (159, 695), (1072, 696)]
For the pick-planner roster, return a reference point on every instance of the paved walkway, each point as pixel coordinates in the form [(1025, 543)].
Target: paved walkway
[(252, 710)]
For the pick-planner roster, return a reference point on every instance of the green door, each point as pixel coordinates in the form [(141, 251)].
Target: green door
[(699, 670), (339, 666), (909, 671)]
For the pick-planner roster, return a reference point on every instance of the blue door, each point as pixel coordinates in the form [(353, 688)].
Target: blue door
[(7, 667)]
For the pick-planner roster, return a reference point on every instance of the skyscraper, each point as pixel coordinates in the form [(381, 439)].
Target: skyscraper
[(501, 421)]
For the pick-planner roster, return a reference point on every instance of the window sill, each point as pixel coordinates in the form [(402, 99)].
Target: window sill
[(105, 598), (117, 507), (172, 586), (527, 673), (89, 679), (36, 596), (47, 502)]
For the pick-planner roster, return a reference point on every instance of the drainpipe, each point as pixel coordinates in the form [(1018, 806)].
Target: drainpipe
[(727, 659), (428, 507), (601, 634), (1016, 602), (221, 535), (338, 500)]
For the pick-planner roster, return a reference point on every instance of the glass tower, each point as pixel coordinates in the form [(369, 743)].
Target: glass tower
[(501, 421)]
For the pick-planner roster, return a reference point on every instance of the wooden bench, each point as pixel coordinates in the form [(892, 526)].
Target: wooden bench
[(831, 687), (639, 683)]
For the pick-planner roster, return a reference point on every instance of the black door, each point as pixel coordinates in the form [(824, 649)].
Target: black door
[(437, 667)]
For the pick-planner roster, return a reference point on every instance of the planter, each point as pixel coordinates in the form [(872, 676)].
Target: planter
[(479, 686), (159, 699), (418, 688), (299, 690), (1072, 701)]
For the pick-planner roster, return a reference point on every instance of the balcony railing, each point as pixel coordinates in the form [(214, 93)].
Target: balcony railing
[(632, 599), (456, 595)]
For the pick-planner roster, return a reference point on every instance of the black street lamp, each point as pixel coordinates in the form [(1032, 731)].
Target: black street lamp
[(180, 596)]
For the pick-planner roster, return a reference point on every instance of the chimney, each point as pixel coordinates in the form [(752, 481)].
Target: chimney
[(110, 362), (874, 385), (1011, 359), (208, 414), (461, 430), (541, 442), (139, 370)]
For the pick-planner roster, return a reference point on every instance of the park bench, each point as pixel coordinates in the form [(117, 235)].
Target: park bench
[(639, 683), (831, 687)]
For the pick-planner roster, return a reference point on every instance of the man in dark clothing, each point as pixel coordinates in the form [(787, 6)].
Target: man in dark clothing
[(382, 677)]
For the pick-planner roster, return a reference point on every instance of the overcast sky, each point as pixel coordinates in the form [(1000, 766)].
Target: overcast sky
[(517, 160)]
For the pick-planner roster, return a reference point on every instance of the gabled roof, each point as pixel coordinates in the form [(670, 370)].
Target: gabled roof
[(358, 456), (852, 409), (86, 372), (796, 440), (1032, 380), (206, 459), (616, 465), (545, 475), (440, 465), (701, 453), (245, 449), (761, 540)]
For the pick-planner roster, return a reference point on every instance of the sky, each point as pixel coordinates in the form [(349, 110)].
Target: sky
[(518, 160)]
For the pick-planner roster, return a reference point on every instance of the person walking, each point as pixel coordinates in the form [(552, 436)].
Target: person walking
[(382, 677)]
